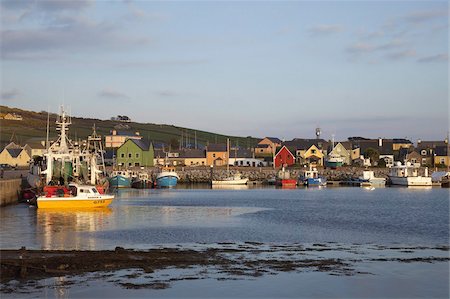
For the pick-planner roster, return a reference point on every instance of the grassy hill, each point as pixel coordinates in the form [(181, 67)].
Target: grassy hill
[(34, 124)]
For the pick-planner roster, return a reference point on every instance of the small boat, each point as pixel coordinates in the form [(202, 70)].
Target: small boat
[(73, 196), (368, 179), (284, 179), (334, 161), (311, 178), (141, 181), (407, 175), (120, 179), (167, 178), (233, 180)]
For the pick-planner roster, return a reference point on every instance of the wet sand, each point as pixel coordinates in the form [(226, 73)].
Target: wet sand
[(223, 261)]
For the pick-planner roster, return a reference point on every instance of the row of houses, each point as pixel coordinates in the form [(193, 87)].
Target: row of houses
[(131, 149), (11, 116), (272, 151)]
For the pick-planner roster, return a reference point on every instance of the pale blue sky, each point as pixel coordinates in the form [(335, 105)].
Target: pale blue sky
[(260, 68)]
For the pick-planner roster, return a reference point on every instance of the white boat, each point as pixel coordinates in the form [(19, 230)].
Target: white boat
[(73, 196), (233, 180), (236, 179), (311, 177), (167, 178), (368, 179), (407, 175)]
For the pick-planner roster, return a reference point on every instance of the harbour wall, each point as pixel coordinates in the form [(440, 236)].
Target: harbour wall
[(9, 191)]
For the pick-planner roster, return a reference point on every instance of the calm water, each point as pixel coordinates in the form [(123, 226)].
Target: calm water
[(143, 218)]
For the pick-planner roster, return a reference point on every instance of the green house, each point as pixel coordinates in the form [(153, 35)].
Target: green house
[(135, 153)]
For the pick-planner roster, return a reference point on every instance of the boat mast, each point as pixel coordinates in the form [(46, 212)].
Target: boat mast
[(228, 155)]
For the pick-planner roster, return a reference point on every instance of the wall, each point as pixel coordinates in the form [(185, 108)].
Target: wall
[(9, 190)]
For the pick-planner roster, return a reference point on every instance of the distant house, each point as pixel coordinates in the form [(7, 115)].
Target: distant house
[(398, 143), (441, 156), (244, 157), (216, 154), (284, 157), (360, 146), (13, 116), (267, 146), (117, 138), (135, 153), (194, 157), (308, 151), (17, 157), (341, 151)]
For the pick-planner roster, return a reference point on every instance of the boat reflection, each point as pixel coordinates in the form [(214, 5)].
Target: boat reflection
[(58, 229), (230, 187)]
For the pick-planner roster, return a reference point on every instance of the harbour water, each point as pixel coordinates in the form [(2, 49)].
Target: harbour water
[(380, 228)]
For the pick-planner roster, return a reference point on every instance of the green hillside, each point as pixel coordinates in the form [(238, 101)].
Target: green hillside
[(33, 128)]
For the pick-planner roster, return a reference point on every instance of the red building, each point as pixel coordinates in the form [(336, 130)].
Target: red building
[(284, 157)]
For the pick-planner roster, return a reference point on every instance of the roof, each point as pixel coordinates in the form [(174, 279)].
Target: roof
[(143, 144), (216, 147), (192, 153), (401, 140), (14, 152), (430, 144), (262, 146), (284, 146), (441, 150), (241, 153), (272, 139), (304, 144)]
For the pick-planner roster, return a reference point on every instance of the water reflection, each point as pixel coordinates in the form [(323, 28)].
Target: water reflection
[(230, 187), (56, 229)]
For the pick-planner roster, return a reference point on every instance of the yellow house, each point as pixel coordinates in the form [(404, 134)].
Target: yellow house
[(17, 157), (117, 138), (441, 155), (194, 157), (216, 155), (401, 143), (313, 155)]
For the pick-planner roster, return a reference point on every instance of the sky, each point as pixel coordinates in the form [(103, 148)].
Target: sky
[(246, 68)]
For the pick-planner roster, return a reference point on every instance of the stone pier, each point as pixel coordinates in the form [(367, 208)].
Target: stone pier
[(9, 191)]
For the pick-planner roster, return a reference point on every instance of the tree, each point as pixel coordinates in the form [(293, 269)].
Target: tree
[(372, 154)]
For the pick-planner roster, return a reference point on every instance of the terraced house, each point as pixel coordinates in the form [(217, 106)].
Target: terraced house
[(135, 153)]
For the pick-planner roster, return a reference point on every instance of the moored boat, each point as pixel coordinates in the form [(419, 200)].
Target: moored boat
[(233, 180), (284, 179), (120, 179), (334, 161), (368, 179), (73, 196), (407, 175), (167, 178), (311, 178), (141, 181)]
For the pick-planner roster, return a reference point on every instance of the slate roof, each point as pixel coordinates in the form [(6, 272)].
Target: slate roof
[(304, 144), (401, 140), (430, 144), (14, 152), (241, 153), (441, 150), (273, 139), (216, 147), (262, 146), (192, 153), (143, 144)]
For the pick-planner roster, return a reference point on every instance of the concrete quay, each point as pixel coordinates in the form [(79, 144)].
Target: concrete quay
[(9, 191)]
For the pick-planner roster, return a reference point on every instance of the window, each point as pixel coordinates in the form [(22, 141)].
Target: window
[(136, 164), (214, 155), (423, 152), (313, 151), (261, 150), (129, 164), (442, 160), (129, 155), (137, 155), (94, 190), (122, 155)]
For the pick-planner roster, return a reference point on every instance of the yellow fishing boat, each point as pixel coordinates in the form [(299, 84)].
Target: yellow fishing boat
[(75, 196)]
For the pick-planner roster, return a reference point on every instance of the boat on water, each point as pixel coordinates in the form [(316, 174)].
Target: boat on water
[(73, 196), (167, 178), (284, 179), (368, 179), (407, 175), (236, 179), (141, 181), (120, 179), (334, 161), (311, 178)]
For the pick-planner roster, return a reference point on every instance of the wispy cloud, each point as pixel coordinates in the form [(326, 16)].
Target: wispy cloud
[(401, 54), (426, 16), (434, 58), (323, 29), (10, 94), (112, 94)]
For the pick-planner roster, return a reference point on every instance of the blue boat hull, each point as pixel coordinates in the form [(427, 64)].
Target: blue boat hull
[(166, 181), (315, 182), (119, 181)]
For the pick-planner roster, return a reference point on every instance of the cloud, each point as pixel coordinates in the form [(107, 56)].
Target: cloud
[(162, 63), (112, 94), (434, 58), (321, 30), (10, 94), (401, 54), (425, 16)]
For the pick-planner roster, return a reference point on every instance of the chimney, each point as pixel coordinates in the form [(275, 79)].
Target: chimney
[(380, 142), (137, 133), (419, 141), (114, 132)]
